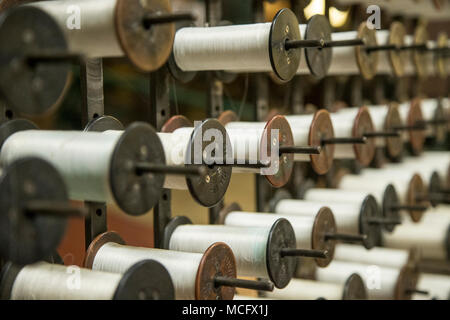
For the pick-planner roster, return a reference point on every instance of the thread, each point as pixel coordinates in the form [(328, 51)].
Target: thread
[(249, 245), (343, 124), (44, 281), (301, 126), (339, 196), (344, 58), (384, 65), (303, 226), (82, 158), (429, 239), (97, 17), (384, 289), (240, 47), (345, 214), (302, 289), (387, 257), (303, 67), (182, 266), (437, 285)]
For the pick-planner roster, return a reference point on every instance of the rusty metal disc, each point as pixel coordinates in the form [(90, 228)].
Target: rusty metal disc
[(218, 260), (367, 61), (420, 56), (416, 137), (226, 210), (175, 123), (39, 87), (397, 58), (318, 59), (407, 280), (390, 199), (321, 128), (147, 47), (324, 223), (227, 117), (370, 209), (104, 123), (284, 27), (280, 269), (209, 190), (416, 189), (135, 193), (364, 153), (394, 145), (97, 243), (354, 288), (285, 161), (8, 276)]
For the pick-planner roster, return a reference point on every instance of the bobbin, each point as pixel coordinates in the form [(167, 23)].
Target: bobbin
[(394, 145), (406, 283), (27, 236), (104, 123), (416, 189), (390, 201), (28, 87), (218, 260), (367, 60), (145, 280), (354, 288), (9, 128), (281, 236), (324, 225), (397, 57), (414, 121), (285, 139), (321, 128), (440, 59), (318, 59), (420, 56), (209, 189)]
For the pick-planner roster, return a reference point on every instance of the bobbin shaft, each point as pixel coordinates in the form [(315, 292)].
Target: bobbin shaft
[(343, 43), (420, 126), (414, 47), (382, 48), (346, 237), (375, 220), (418, 291), (300, 150), (52, 57), (260, 285), (166, 17), (244, 165), (361, 140), (52, 208), (381, 134), (409, 207), (147, 167), (292, 252), (310, 43), (434, 197)]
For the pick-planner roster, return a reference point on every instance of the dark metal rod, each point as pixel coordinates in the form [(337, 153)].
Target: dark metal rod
[(409, 207), (433, 197), (51, 57), (160, 18), (416, 127), (244, 165), (414, 47), (381, 134), (54, 208), (346, 237), (292, 252), (361, 140), (382, 47), (375, 220), (343, 43), (148, 167), (300, 150), (423, 292), (296, 44), (241, 283)]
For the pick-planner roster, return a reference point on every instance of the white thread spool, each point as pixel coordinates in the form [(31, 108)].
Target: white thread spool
[(302, 289), (339, 196), (249, 245), (353, 183), (384, 65), (176, 146), (343, 124), (439, 215), (425, 169), (346, 214), (430, 239), (83, 158), (344, 58), (240, 47), (387, 257), (303, 67), (380, 281), (301, 126), (429, 108), (437, 285), (44, 281), (410, 68)]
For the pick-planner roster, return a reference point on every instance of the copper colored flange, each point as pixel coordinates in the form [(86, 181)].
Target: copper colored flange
[(442, 61), (416, 137), (321, 128), (324, 223), (394, 145), (397, 58), (285, 161), (439, 130), (147, 48), (367, 61), (407, 280), (416, 188), (420, 56), (227, 117), (175, 123), (363, 124), (354, 288), (97, 243), (226, 210), (218, 260)]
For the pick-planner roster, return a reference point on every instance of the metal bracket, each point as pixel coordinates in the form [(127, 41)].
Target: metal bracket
[(159, 113), (91, 76)]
